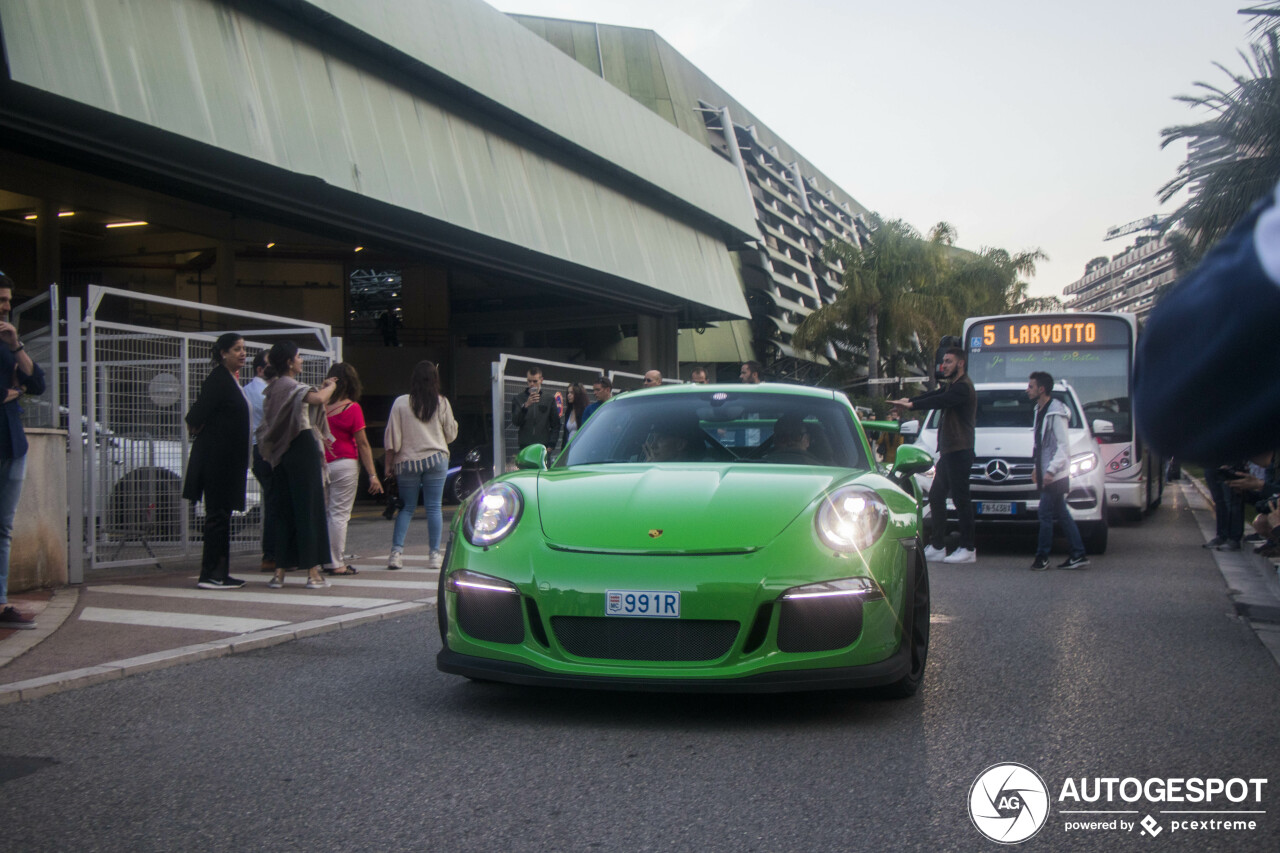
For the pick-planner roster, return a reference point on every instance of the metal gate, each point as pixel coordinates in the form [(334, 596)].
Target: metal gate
[(127, 389)]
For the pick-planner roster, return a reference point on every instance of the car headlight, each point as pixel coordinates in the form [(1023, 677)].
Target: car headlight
[(851, 519), (1083, 463), (473, 456), (492, 514)]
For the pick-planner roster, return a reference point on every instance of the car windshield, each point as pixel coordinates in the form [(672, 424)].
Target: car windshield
[(1008, 409), (719, 426)]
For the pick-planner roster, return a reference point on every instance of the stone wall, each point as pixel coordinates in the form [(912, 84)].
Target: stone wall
[(39, 556)]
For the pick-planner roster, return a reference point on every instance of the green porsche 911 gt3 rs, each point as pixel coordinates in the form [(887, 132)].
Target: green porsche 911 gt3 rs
[(695, 537)]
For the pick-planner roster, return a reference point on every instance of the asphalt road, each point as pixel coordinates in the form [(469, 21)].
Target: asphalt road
[(1135, 667)]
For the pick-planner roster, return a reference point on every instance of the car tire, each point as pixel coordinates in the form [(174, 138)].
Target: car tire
[(917, 631), (1094, 535), (462, 487), (146, 503)]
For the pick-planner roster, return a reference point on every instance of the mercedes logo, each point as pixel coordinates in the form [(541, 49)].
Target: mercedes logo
[(997, 470)]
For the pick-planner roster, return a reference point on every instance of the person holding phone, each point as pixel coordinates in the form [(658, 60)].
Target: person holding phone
[(534, 416)]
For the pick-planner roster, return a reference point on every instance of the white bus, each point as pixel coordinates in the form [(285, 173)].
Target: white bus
[(1094, 352)]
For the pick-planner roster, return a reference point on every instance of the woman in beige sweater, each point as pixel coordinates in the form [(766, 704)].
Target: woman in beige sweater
[(419, 430)]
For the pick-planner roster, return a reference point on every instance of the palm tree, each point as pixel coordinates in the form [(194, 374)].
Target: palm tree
[(886, 295), (1237, 149)]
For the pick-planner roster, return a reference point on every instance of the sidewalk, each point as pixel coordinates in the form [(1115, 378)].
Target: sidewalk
[(1253, 581), (130, 622)]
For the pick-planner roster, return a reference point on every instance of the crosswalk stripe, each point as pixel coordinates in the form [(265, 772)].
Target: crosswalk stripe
[(192, 621), (310, 598), (360, 580)]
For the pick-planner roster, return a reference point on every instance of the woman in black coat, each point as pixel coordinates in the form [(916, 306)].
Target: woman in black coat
[(219, 461)]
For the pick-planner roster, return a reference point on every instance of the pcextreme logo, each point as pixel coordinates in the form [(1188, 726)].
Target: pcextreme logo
[(1009, 803)]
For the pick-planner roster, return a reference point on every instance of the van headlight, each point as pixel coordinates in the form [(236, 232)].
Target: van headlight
[(851, 519), (492, 514), (1082, 463)]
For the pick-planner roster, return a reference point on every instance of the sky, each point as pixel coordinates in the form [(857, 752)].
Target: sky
[(1025, 125)]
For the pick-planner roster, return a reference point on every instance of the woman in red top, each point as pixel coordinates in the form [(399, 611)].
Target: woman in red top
[(346, 422)]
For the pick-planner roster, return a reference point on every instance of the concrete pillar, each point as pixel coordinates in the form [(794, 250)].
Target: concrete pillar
[(225, 270), (48, 244), (658, 343)]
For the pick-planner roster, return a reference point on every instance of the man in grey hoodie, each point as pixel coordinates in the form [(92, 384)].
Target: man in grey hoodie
[(1052, 457)]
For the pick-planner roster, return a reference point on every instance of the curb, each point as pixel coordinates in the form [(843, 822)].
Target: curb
[(61, 605), (22, 691), (1251, 593)]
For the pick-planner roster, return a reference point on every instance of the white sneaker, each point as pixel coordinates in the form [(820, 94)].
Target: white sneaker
[(436, 560), (933, 554), (961, 555), (396, 560)]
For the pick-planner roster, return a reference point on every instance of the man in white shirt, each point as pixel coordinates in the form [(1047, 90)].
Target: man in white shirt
[(261, 468)]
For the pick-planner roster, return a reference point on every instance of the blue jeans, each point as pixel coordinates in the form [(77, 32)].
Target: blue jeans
[(12, 473), (431, 483), (1053, 507)]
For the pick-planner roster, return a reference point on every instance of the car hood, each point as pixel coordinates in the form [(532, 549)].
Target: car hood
[(676, 509)]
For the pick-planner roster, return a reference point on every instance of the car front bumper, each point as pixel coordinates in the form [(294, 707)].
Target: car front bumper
[(877, 674)]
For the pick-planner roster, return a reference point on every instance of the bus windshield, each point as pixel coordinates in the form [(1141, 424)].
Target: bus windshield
[(1094, 356)]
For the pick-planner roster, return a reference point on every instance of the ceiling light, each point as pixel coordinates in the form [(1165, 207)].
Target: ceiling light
[(270, 245), (125, 224), (359, 248)]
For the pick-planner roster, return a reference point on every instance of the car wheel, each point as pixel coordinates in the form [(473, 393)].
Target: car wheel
[(1094, 535), (146, 503), (917, 630)]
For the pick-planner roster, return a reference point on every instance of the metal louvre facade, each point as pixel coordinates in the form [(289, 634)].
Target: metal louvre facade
[(632, 206)]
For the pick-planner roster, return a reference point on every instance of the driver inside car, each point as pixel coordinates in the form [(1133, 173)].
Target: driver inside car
[(791, 442), (662, 446)]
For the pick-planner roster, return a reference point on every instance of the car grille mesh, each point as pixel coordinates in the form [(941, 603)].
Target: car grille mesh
[(621, 638)]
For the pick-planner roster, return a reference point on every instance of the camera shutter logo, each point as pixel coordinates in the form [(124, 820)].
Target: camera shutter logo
[(1008, 803)]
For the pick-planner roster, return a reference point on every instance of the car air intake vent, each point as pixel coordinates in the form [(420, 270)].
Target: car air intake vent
[(621, 638), (494, 617), (819, 624)]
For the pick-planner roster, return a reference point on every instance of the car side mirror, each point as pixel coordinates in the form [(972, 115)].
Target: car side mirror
[(909, 430), (532, 457), (910, 460), (1101, 427)]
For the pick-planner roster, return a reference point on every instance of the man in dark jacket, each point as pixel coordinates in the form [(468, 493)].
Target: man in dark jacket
[(959, 406), (22, 376), (536, 417)]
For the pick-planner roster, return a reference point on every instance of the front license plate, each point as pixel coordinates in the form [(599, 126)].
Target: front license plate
[(995, 508), (634, 602)]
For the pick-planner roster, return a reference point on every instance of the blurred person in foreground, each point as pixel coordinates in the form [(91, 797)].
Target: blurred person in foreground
[(1195, 394)]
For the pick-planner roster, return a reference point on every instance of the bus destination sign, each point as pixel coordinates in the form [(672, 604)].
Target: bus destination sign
[(1008, 333)]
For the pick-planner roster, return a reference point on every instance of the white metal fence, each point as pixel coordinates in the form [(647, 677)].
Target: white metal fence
[(122, 391)]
